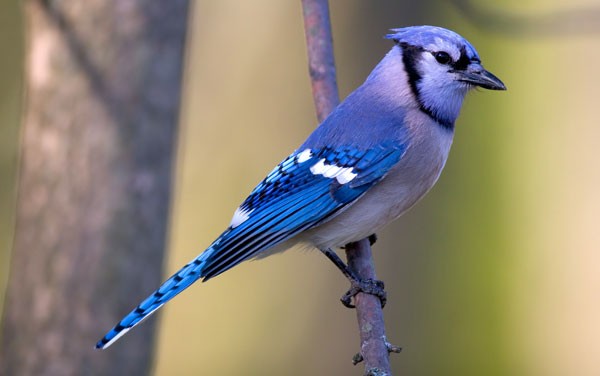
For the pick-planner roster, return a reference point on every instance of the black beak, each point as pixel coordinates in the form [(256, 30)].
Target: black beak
[(481, 78)]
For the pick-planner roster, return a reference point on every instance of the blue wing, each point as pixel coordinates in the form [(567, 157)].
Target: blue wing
[(307, 188)]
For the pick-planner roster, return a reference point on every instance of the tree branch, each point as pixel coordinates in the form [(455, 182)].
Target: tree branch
[(374, 346), (321, 63)]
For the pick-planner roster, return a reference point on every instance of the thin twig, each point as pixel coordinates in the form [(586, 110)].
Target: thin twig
[(374, 349), (321, 64)]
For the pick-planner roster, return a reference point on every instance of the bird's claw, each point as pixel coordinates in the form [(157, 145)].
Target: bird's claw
[(368, 286)]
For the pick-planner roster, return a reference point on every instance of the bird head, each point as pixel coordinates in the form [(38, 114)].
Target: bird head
[(441, 67)]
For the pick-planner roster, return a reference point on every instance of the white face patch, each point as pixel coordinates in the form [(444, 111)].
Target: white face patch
[(342, 174), (438, 89), (240, 216), (304, 156)]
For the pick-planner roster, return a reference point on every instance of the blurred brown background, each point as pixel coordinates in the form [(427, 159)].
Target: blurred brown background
[(495, 272)]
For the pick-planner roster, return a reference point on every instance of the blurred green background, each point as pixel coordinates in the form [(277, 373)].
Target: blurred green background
[(495, 272)]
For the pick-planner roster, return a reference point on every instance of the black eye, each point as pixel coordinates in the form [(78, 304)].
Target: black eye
[(442, 57)]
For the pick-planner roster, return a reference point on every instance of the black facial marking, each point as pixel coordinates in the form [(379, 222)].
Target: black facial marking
[(463, 62), (410, 56)]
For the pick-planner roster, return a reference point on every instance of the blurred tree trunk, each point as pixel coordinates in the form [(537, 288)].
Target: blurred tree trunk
[(103, 83)]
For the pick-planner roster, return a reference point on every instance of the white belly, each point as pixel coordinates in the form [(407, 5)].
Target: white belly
[(402, 187)]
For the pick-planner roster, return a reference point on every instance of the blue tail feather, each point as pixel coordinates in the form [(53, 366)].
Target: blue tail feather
[(167, 291)]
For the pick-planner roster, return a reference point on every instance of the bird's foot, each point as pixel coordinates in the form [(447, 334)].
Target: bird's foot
[(390, 348), (367, 286)]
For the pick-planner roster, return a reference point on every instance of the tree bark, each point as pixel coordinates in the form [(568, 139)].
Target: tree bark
[(103, 83)]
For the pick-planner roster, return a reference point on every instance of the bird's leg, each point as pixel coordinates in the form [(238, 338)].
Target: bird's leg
[(368, 286)]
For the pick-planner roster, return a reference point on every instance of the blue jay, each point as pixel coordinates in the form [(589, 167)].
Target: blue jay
[(371, 160)]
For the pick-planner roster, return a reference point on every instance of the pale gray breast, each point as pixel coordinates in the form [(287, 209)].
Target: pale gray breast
[(404, 185)]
